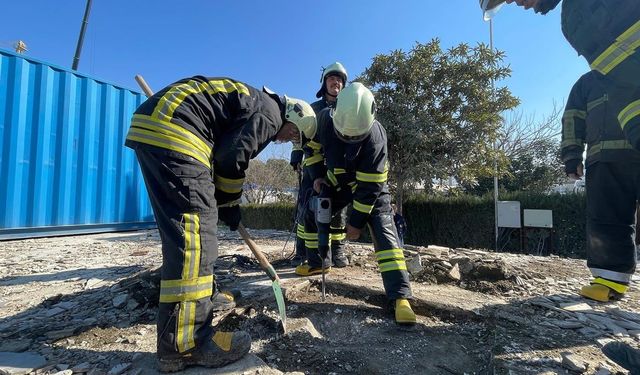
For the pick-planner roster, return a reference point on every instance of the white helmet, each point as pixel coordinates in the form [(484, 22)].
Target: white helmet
[(302, 115), (354, 113), (334, 69)]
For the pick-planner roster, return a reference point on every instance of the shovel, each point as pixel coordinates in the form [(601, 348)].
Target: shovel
[(270, 271), (264, 263)]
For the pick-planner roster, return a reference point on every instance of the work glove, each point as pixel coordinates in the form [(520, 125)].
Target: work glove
[(573, 167), (230, 216)]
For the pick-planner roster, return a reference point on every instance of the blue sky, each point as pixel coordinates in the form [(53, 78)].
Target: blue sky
[(284, 43)]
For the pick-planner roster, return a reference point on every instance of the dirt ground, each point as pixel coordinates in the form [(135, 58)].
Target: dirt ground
[(87, 304)]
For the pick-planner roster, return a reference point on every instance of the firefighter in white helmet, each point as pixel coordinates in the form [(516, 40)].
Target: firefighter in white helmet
[(193, 140), (355, 152), (333, 79)]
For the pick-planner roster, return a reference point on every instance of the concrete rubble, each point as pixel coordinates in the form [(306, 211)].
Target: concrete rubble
[(87, 305)]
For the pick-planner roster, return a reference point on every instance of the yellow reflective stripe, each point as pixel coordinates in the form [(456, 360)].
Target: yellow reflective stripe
[(394, 265), (311, 244), (307, 236), (629, 113), (311, 235), (314, 145), (337, 171), (572, 142), (620, 144), (624, 46), (192, 246), (170, 128), (362, 207), (185, 290), (354, 187), (620, 288), (170, 143), (337, 236), (574, 113), (371, 177), (594, 103), (229, 185), (174, 97), (332, 178), (390, 254), (313, 160), (186, 322)]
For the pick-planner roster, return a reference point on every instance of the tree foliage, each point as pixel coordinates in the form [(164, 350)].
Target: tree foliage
[(440, 111), (270, 181), (532, 149)]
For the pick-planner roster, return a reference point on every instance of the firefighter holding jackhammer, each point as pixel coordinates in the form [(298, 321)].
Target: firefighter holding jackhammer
[(604, 111), (355, 152), (333, 79), (193, 140)]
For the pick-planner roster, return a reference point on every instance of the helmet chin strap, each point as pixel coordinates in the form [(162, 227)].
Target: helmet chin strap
[(327, 94)]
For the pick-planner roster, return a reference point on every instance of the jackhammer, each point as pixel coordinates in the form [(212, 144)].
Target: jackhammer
[(322, 210)]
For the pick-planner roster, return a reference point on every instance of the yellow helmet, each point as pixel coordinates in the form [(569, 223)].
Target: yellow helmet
[(302, 115), (354, 113), (334, 69)]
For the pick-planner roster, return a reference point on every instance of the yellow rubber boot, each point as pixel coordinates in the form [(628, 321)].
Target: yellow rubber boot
[(404, 313), (305, 270), (603, 290)]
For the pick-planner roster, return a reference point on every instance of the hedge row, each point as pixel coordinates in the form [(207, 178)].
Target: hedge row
[(467, 221)]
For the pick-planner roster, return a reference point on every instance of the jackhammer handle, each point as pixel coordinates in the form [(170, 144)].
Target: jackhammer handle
[(143, 85), (264, 263)]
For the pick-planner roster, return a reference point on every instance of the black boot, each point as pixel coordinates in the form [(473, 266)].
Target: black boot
[(624, 355), (223, 348), (338, 256)]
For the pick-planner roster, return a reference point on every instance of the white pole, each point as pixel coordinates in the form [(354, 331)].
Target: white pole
[(495, 160)]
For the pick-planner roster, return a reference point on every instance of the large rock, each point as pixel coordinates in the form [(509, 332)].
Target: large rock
[(20, 363)]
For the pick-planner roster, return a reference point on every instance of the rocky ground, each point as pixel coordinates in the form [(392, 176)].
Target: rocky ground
[(87, 304)]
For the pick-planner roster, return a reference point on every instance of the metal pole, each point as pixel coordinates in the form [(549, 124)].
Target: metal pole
[(495, 160), (83, 28)]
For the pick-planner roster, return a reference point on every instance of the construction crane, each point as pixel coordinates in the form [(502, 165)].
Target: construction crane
[(19, 46)]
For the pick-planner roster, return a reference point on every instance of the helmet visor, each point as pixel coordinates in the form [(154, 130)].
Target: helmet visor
[(350, 139)]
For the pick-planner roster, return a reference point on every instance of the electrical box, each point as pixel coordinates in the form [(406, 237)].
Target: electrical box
[(509, 214), (538, 218)]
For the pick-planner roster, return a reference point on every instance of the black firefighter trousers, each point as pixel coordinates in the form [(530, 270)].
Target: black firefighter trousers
[(613, 190), (389, 254), (338, 221), (182, 197)]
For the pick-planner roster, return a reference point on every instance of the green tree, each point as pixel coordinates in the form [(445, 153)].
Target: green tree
[(532, 149), (273, 180), (440, 110)]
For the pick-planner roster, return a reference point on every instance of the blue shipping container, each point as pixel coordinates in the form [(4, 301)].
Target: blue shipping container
[(63, 164)]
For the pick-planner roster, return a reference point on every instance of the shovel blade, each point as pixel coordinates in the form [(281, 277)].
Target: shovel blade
[(277, 290)]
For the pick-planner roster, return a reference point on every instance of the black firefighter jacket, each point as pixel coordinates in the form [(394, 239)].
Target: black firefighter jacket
[(209, 119)]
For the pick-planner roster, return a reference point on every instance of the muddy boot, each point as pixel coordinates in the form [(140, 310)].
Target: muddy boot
[(306, 270), (404, 313), (222, 349), (624, 355), (338, 257), (603, 290)]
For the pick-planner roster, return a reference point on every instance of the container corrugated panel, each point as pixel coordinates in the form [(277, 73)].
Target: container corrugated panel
[(63, 164)]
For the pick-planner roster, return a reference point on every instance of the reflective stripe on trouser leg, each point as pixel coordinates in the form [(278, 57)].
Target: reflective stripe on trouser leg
[(390, 257), (612, 191), (311, 241), (338, 232), (184, 208)]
